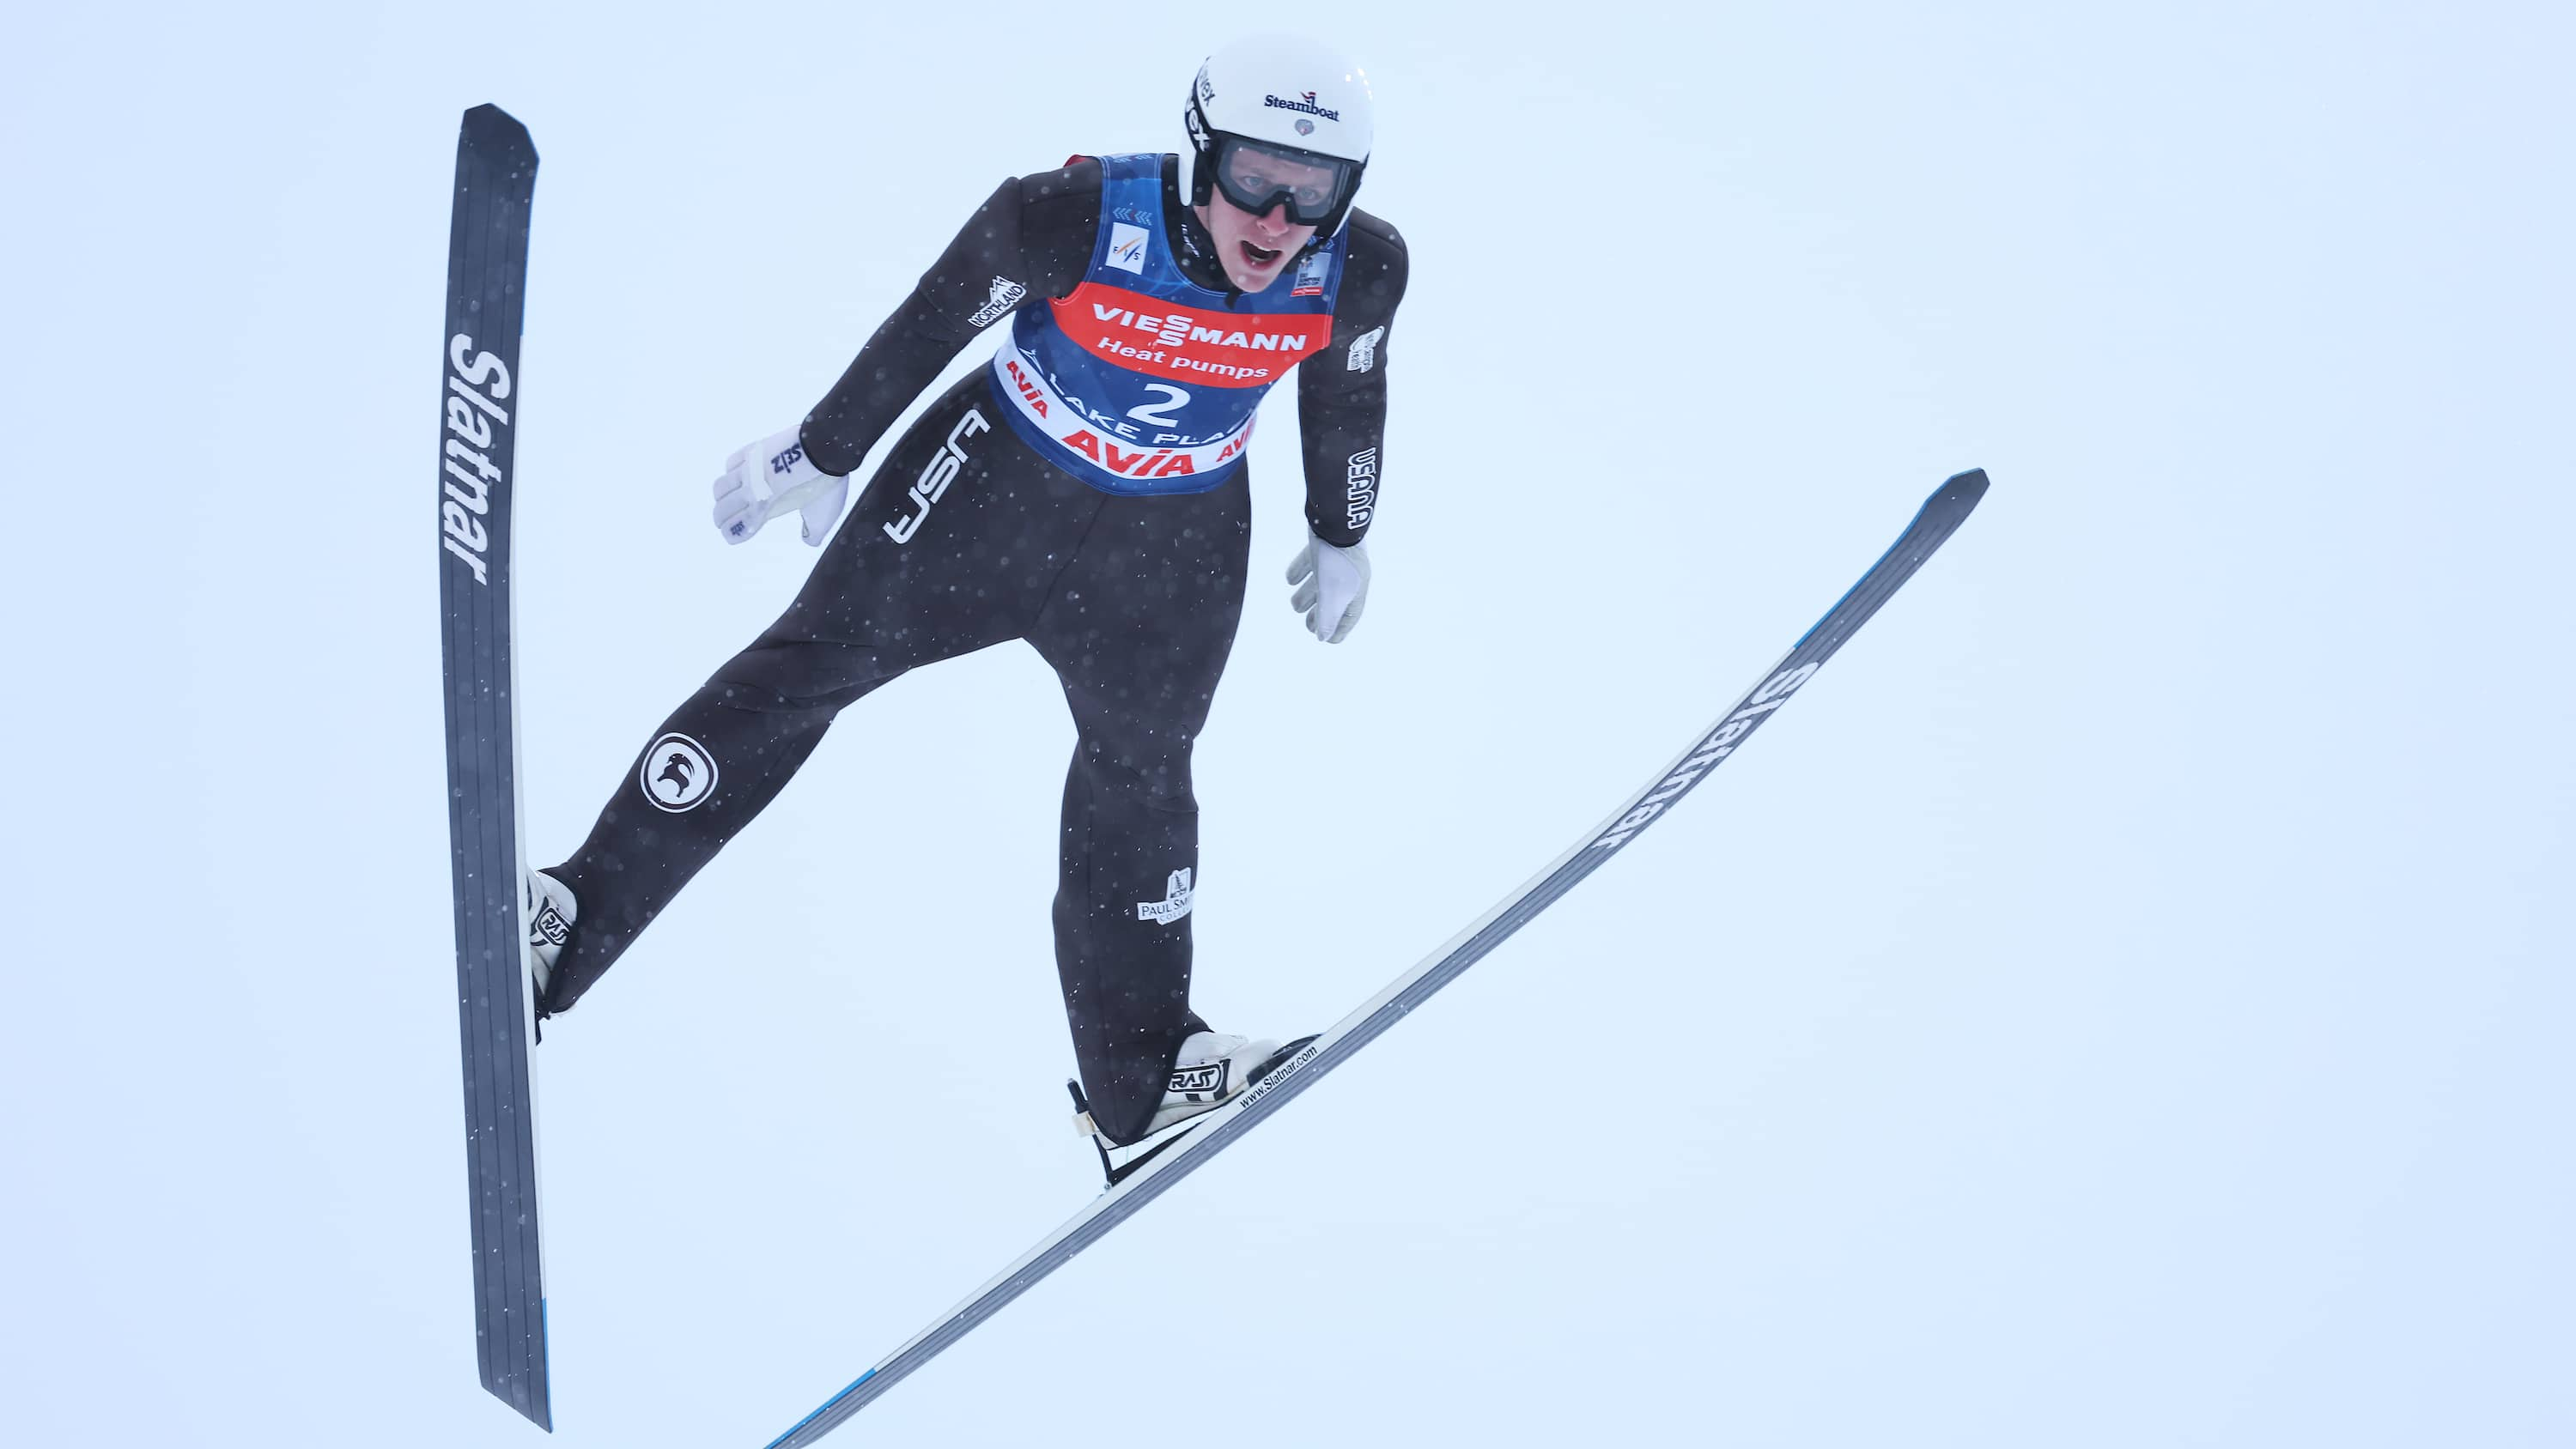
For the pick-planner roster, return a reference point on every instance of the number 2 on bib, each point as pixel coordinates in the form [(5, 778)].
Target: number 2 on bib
[(1159, 413)]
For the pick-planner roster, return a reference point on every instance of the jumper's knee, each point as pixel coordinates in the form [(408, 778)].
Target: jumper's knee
[(1157, 780), (795, 676)]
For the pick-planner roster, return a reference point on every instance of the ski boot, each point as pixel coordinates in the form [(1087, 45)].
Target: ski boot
[(550, 916), (1211, 1071)]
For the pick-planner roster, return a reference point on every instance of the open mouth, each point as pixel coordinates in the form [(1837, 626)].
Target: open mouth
[(1259, 256)]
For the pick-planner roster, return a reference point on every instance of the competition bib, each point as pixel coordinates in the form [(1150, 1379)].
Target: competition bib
[(1142, 381)]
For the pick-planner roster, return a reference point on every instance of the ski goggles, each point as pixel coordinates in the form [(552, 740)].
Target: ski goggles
[(1257, 177)]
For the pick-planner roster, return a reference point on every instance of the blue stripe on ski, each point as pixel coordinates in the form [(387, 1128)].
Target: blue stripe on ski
[(1960, 491), (818, 1413)]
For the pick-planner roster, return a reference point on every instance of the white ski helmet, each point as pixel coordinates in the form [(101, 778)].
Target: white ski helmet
[(1295, 103)]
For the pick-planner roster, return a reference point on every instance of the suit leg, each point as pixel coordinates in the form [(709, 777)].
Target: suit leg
[(1138, 633)]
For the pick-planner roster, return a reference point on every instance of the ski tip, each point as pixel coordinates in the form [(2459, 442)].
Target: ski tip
[(488, 127), (1964, 488)]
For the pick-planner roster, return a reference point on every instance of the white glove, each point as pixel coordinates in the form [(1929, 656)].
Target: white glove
[(1332, 586), (765, 479)]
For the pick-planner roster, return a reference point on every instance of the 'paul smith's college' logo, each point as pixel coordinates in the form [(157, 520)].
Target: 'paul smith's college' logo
[(678, 774), (1174, 904)]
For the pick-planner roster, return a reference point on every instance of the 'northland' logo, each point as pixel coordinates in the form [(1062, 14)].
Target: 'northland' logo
[(1174, 904), (1307, 104), (938, 474), (678, 774), (479, 423), (1006, 295), (1720, 743)]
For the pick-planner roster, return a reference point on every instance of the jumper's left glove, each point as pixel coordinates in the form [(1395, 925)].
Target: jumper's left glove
[(765, 479), (1332, 586)]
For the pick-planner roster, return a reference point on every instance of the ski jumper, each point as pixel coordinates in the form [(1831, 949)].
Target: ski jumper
[(1087, 493)]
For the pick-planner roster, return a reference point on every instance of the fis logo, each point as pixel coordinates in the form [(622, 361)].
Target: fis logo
[(1006, 295), (937, 474), (1174, 904), (1721, 742), (1127, 247), (480, 430), (677, 774)]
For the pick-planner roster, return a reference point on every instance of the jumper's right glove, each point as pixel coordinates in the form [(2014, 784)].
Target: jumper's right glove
[(765, 479), (1332, 585)]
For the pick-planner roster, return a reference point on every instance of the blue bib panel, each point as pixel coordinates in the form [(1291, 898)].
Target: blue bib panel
[(1142, 381)]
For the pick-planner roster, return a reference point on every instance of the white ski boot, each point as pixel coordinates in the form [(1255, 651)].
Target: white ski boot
[(1212, 1070), (550, 916)]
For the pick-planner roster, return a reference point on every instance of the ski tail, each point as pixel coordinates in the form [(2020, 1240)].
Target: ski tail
[(1938, 518), (479, 401)]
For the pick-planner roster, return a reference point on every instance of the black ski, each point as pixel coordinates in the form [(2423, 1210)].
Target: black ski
[(487, 270), (1940, 516)]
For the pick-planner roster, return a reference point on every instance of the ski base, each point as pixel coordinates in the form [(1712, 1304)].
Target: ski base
[(1940, 516), (487, 263)]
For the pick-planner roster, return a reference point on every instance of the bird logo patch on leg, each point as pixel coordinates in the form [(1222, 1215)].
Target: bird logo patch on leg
[(678, 773)]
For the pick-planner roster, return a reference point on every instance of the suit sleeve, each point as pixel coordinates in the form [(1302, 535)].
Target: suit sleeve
[(1341, 391), (1034, 233)]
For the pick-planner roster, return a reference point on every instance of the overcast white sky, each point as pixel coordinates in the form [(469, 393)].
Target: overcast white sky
[(2124, 1001)]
